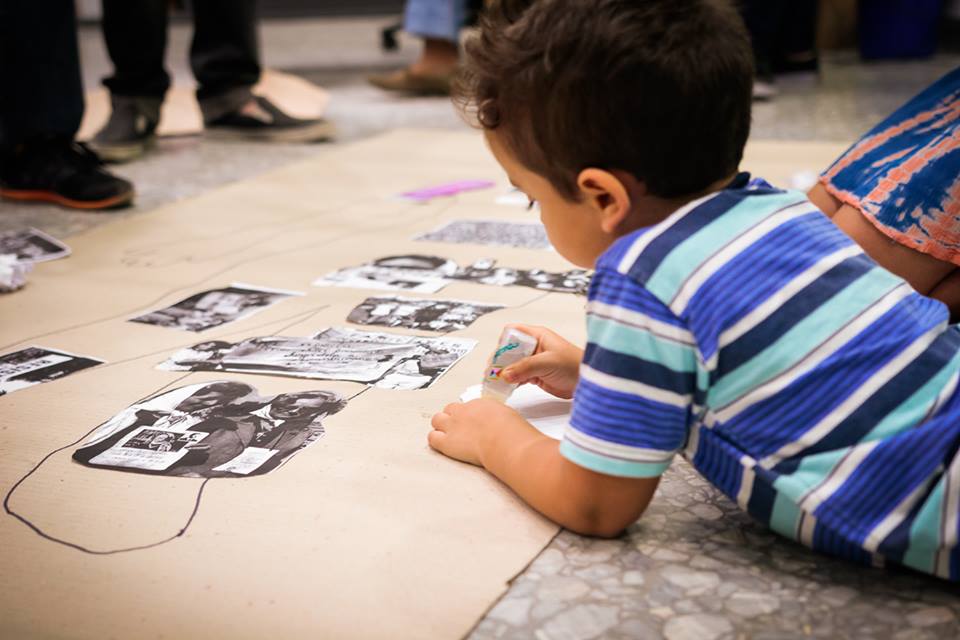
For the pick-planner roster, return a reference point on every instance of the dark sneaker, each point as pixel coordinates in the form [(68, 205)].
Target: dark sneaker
[(62, 171), (130, 131), (260, 119)]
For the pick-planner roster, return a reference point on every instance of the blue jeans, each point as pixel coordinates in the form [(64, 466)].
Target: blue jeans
[(440, 19)]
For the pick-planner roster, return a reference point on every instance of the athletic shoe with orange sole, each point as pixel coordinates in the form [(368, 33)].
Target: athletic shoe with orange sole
[(62, 172)]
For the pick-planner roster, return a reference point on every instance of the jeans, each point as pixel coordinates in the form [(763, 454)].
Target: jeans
[(41, 95), (224, 53), (441, 19)]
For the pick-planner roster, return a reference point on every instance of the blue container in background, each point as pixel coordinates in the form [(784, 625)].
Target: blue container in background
[(898, 28)]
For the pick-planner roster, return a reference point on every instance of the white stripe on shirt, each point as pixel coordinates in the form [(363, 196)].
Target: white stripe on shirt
[(641, 243), (635, 388), (734, 248), (840, 473), (614, 449), (640, 320), (809, 362), (853, 401), (765, 309)]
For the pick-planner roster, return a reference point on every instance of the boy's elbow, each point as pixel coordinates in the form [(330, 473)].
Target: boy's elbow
[(602, 523)]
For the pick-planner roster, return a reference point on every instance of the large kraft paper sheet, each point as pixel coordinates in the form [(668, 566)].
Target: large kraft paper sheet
[(365, 534)]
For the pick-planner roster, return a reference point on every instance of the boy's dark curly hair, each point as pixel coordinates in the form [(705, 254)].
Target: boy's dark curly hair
[(658, 88)]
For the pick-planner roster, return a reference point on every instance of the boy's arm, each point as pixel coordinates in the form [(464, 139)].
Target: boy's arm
[(487, 433)]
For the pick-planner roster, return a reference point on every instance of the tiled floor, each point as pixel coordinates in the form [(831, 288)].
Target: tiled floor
[(694, 567)]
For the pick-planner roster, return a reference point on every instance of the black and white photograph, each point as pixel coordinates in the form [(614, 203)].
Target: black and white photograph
[(486, 271), (32, 245), (429, 274), (441, 316), (384, 360), (215, 307), (416, 273), (524, 235), (36, 365), (210, 430)]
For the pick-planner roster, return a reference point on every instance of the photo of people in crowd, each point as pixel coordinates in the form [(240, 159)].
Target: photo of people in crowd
[(429, 274), (36, 365), (210, 430), (32, 245), (441, 316), (214, 308), (384, 360), (498, 233)]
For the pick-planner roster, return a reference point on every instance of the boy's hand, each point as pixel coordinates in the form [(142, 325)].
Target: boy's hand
[(554, 367), (460, 429)]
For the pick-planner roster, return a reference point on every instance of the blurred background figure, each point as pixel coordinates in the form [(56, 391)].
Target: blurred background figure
[(783, 34), (438, 22), (41, 105), (224, 58)]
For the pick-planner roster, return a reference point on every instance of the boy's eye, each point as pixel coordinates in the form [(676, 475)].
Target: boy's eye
[(530, 203)]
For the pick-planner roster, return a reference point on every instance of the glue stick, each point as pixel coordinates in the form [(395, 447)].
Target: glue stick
[(514, 346)]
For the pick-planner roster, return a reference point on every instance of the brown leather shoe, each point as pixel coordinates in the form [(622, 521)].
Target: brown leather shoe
[(403, 81)]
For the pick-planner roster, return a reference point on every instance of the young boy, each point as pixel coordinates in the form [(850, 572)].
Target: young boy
[(727, 320)]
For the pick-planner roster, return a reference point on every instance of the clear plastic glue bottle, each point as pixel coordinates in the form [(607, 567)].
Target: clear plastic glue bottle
[(514, 346)]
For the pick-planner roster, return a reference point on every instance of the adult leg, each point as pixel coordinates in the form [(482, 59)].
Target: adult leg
[(763, 19), (41, 104), (224, 54), (225, 59), (41, 95), (438, 22), (136, 38)]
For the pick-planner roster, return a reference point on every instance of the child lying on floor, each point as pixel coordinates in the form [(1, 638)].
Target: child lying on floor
[(727, 320)]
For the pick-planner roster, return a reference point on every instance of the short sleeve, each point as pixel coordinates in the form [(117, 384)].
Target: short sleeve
[(632, 407)]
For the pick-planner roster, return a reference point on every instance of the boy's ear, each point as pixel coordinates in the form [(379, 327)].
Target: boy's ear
[(609, 195)]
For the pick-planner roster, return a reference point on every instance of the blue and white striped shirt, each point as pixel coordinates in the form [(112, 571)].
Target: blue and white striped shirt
[(810, 385)]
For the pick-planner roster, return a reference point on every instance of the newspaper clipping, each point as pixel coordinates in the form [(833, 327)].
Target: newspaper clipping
[(383, 360), (210, 430), (216, 307), (525, 235), (442, 316), (32, 245), (36, 365), (429, 274)]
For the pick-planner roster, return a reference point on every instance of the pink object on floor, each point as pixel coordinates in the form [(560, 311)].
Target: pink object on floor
[(445, 190)]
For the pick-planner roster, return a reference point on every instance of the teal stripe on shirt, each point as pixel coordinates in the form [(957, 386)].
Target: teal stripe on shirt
[(690, 254), (640, 343), (797, 343), (810, 472), (815, 468), (924, 542), (912, 410), (785, 516), (611, 466)]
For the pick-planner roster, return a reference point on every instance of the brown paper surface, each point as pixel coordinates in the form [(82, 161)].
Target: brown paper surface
[(367, 533)]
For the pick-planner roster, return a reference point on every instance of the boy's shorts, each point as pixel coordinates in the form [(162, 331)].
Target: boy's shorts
[(904, 175)]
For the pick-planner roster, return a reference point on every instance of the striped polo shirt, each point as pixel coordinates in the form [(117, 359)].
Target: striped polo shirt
[(810, 385)]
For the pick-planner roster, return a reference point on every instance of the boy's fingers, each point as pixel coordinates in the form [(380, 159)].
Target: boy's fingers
[(435, 439), (439, 420), (522, 371), (450, 408)]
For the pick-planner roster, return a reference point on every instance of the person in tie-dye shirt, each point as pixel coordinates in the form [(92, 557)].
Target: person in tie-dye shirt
[(896, 191)]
